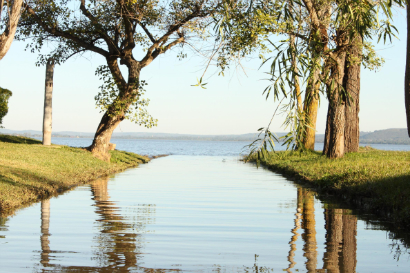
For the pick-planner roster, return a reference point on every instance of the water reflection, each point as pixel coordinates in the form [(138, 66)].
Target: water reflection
[(341, 231), (117, 243), (3, 227), (45, 232), (211, 224)]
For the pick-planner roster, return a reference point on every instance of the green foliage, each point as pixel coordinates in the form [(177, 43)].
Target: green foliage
[(306, 47), (134, 108), (370, 59), (5, 94)]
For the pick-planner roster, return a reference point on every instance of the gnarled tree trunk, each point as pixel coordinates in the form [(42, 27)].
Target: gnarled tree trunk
[(116, 112), (351, 84), (102, 137), (7, 37)]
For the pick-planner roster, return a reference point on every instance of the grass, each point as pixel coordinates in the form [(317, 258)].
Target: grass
[(375, 180), (30, 171)]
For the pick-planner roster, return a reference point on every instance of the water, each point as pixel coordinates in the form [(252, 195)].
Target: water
[(186, 147), (194, 214)]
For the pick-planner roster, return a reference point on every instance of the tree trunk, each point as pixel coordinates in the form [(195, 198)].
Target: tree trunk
[(101, 142), (310, 108), (351, 84), (407, 73), (116, 112), (335, 126), (7, 37), (334, 136), (48, 103)]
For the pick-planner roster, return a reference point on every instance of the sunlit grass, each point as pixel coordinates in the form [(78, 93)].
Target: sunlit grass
[(30, 171), (379, 179)]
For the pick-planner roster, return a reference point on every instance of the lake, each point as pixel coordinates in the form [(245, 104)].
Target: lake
[(199, 210)]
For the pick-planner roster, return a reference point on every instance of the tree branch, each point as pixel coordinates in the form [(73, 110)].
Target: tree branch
[(146, 61), (64, 34), (146, 32), (172, 29), (110, 43)]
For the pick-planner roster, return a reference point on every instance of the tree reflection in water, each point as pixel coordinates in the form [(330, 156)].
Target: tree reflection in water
[(341, 231), (119, 242), (45, 232)]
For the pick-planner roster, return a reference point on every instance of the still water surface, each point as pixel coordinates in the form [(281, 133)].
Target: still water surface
[(153, 147), (194, 214)]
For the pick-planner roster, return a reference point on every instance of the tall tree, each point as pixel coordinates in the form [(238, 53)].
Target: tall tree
[(114, 29), (9, 27), (48, 103)]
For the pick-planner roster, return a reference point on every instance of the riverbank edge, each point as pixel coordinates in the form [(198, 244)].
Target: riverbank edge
[(358, 195), (20, 187)]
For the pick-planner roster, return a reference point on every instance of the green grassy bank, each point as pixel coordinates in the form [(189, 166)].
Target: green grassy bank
[(30, 171), (373, 180)]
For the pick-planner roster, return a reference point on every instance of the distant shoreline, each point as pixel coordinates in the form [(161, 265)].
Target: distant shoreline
[(387, 136)]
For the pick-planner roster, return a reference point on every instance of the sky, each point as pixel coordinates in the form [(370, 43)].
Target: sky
[(232, 104)]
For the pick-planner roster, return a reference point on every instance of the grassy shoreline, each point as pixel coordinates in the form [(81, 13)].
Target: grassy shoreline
[(371, 180), (30, 171)]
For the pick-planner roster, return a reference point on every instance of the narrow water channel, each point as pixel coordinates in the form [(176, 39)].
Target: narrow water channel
[(194, 214)]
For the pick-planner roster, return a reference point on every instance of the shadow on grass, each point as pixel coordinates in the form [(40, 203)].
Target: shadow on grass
[(28, 187), (18, 139)]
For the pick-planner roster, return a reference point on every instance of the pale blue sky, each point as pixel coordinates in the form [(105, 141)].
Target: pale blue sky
[(230, 105)]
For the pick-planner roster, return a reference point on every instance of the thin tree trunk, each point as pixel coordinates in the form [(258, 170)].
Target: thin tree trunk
[(310, 108), (294, 238), (48, 103), (351, 84), (407, 73), (7, 37)]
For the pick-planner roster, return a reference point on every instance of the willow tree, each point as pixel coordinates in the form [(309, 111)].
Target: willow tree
[(116, 30), (322, 43), (8, 23)]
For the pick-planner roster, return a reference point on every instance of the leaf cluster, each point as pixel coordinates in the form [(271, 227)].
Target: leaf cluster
[(134, 108), (5, 94)]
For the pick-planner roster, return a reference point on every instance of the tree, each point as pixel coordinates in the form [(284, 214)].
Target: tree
[(5, 94), (330, 35), (113, 29), (13, 12), (48, 103)]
